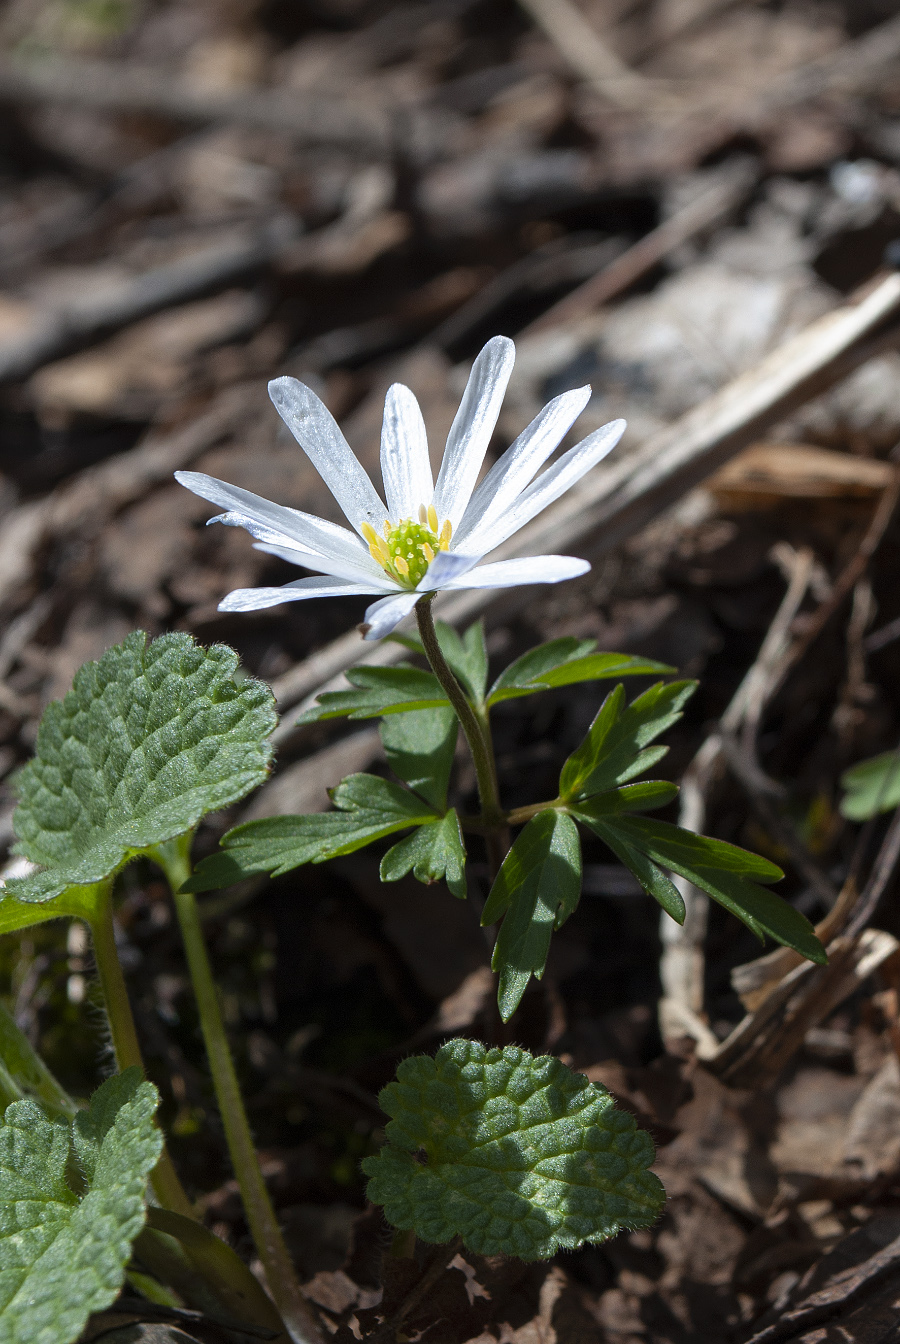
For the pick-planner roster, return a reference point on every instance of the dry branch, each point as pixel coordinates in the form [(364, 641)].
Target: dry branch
[(708, 209), (56, 331), (367, 131)]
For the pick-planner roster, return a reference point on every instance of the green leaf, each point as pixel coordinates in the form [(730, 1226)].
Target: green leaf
[(61, 1256), (379, 690), (368, 808), (420, 747), (729, 874), (467, 656), (434, 851), (23, 1074), (643, 797), (563, 662), (515, 1154), (537, 889), (149, 740), (617, 744), (872, 786), (651, 878)]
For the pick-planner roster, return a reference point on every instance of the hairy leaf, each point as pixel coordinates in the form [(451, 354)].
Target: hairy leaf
[(872, 786), (149, 739), (379, 690), (368, 808), (420, 747), (563, 662), (729, 874), (515, 1154), (536, 891), (617, 748), (433, 851), (61, 1256)]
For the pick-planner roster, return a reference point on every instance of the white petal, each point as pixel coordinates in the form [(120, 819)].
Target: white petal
[(276, 523), (316, 431), (531, 569), (444, 567), (555, 481), (405, 466), (472, 428), (383, 616), (295, 555), (255, 599), (509, 476)]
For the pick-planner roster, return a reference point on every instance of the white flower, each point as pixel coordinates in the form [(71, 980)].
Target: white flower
[(432, 535)]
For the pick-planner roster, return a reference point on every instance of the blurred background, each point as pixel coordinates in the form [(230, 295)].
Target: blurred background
[(653, 196)]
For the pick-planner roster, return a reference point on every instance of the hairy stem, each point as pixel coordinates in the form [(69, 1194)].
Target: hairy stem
[(164, 1179), (296, 1312), (478, 736)]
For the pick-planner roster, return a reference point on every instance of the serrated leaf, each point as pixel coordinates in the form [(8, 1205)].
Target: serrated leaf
[(729, 874), (432, 852), (149, 740), (420, 747), (515, 1154), (379, 690), (617, 748), (564, 662), (872, 786), (368, 808), (62, 1257), (536, 890)]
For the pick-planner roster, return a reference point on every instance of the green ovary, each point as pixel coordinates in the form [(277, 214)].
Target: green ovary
[(411, 548)]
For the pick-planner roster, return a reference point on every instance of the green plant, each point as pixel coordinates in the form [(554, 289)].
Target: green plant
[(511, 1154)]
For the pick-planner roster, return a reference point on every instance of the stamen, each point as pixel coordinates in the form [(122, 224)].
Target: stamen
[(423, 515), (427, 551), (388, 527), (446, 534), (432, 518), (401, 565), (384, 551), (369, 533)]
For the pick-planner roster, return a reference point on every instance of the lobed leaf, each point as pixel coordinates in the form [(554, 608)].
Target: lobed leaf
[(379, 690), (432, 852), (368, 808), (617, 744), (537, 889), (563, 662), (872, 786), (61, 1256), (515, 1154), (420, 747), (149, 739), (466, 655), (729, 874)]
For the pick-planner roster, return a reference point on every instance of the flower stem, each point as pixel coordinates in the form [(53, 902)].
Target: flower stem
[(474, 729), (164, 1179), (296, 1312)]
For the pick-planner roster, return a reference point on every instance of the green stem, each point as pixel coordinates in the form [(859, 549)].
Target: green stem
[(478, 736), (296, 1312), (164, 1179)]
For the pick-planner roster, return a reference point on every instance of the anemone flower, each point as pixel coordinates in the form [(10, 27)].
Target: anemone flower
[(431, 535)]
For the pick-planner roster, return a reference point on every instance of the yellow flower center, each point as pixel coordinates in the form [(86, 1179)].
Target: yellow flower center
[(408, 547)]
